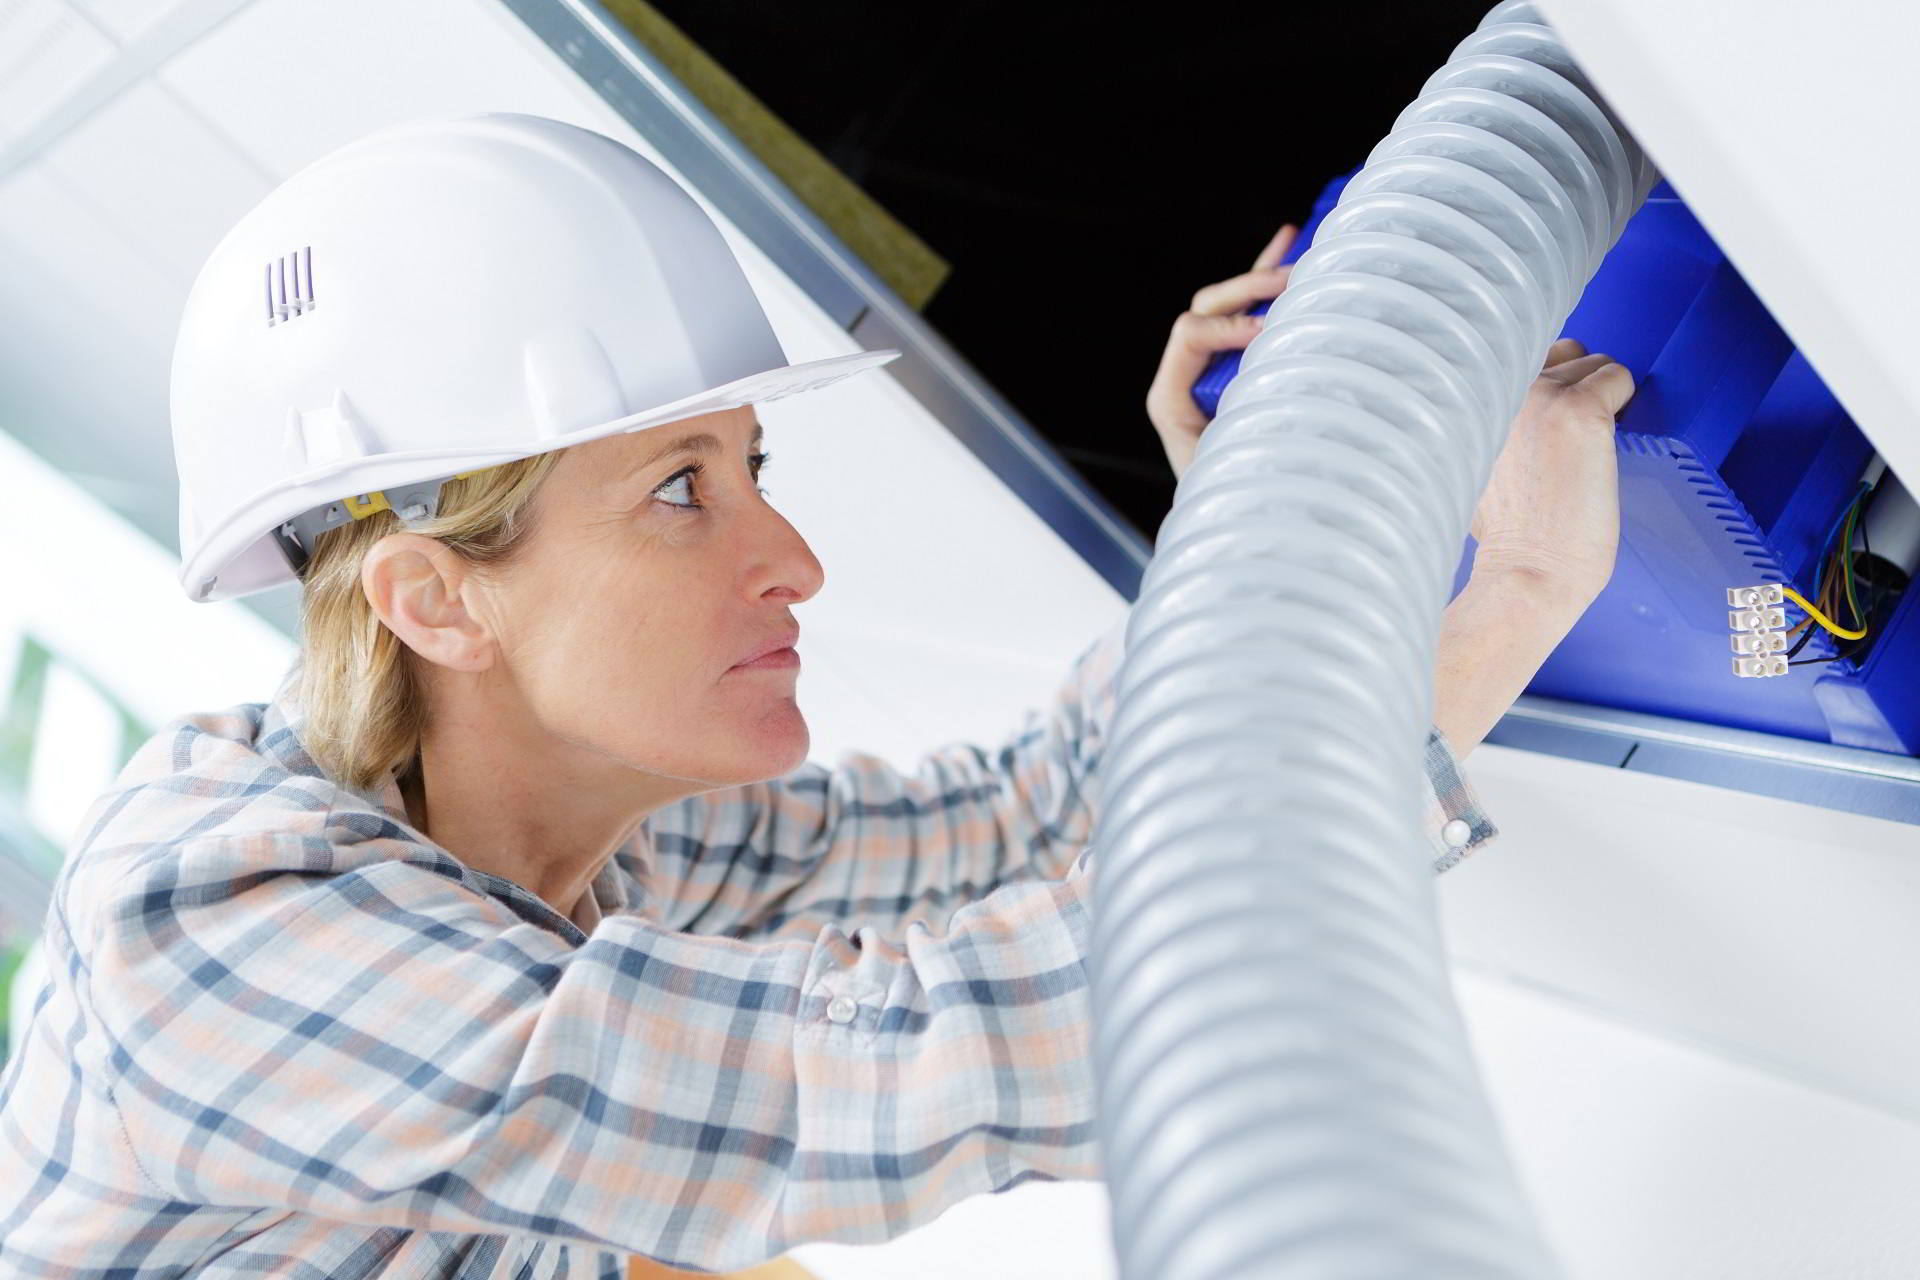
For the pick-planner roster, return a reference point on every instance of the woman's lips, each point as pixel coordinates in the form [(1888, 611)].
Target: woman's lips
[(774, 661)]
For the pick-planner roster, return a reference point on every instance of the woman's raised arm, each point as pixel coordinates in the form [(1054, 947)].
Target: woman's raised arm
[(861, 843)]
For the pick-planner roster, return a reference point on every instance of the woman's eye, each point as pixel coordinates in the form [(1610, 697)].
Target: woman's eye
[(758, 461), (685, 477)]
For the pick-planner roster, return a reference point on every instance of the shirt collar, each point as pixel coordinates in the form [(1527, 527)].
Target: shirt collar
[(279, 740)]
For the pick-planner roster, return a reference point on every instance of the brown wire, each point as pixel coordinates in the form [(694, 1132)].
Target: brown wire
[(1824, 601)]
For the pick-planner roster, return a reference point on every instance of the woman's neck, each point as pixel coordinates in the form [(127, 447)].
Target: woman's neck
[(563, 895)]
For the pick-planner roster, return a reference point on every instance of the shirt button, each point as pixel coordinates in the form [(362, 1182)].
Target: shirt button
[(1456, 833), (842, 1008)]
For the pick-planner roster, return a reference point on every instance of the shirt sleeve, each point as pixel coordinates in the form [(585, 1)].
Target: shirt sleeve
[(865, 844), (384, 1046), (381, 1045), (1456, 825)]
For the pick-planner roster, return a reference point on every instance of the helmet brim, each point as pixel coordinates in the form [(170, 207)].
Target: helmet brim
[(239, 557)]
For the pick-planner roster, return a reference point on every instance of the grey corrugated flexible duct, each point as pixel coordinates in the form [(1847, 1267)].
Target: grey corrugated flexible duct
[(1285, 1084)]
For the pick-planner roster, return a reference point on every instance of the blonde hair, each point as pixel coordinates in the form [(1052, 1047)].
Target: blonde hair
[(358, 683)]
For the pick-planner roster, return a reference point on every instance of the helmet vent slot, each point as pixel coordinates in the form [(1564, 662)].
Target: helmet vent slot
[(290, 286)]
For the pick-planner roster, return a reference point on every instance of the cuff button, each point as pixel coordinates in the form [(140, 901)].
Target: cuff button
[(842, 1009), (1457, 832)]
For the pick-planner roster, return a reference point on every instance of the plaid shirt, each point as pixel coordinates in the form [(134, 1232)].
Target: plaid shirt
[(286, 1034)]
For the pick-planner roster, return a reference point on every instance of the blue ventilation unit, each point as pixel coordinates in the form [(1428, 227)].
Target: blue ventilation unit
[(1735, 464)]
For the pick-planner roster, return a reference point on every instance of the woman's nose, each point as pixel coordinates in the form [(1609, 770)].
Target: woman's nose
[(790, 565)]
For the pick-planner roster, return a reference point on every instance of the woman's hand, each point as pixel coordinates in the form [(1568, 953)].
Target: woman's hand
[(1548, 524), (1550, 514), (1216, 321)]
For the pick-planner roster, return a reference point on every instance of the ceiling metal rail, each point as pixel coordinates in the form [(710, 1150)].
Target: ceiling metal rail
[(1876, 783)]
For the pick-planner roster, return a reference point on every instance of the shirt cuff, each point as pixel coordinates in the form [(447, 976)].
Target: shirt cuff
[(1456, 825)]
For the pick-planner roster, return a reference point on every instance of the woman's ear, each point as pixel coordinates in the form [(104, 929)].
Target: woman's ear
[(420, 589)]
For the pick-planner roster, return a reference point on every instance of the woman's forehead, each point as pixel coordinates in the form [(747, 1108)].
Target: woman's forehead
[(616, 460), (705, 433)]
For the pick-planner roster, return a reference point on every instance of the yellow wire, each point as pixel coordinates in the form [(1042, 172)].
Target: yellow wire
[(1818, 616)]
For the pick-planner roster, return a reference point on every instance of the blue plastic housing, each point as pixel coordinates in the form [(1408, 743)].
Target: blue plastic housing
[(1735, 462)]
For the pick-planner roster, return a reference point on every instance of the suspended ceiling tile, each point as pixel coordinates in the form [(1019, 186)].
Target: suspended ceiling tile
[(127, 161), (47, 50), (101, 268), (294, 79), (125, 19)]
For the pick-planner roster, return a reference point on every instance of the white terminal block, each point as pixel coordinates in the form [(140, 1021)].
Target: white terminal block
[(1753, 597), (1759, 642), (1757, 618)]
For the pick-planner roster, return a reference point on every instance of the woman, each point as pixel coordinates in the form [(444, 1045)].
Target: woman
[(516, 935)]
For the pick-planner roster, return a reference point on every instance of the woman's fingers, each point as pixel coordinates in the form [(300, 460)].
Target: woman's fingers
[(1606, 382), (1612, 383), (1571, 371), (1215, 322), (1276, 248), (1564, 349), (1237, 294), (1194, 340)]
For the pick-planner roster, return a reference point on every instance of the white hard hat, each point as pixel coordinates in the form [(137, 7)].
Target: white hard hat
[(439, 297)]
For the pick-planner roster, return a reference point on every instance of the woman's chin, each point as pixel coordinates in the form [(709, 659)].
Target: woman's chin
[(781, 740)]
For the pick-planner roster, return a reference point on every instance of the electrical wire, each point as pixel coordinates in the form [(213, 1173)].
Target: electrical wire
[(1830, 598), (1853, 648), (1828, 556), (1846, 565), (1813, 611), (1825, 561), (1807, 632), (1804, 628), (1826, 543), (1809, 662)]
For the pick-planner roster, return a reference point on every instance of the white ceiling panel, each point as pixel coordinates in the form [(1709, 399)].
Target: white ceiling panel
[(290, 80), (126, 161), (47, 49), (124, 20)]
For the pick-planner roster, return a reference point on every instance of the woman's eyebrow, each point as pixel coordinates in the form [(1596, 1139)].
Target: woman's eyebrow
[(698, 442)]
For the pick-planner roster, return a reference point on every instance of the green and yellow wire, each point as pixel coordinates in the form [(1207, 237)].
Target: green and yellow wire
[(1846, 563)]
